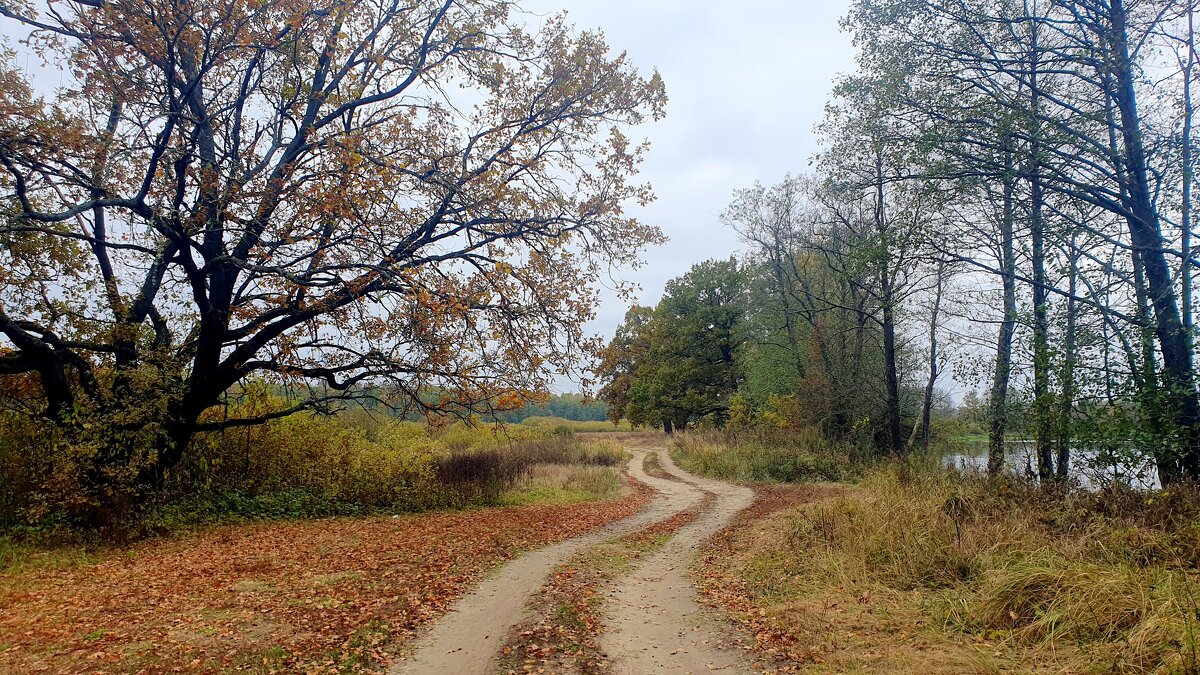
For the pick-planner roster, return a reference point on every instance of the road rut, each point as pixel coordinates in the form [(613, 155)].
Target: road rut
[(655, 623)]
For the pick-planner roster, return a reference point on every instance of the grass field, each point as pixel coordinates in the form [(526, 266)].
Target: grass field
[(762, 456), (576, 426), (918, 570)]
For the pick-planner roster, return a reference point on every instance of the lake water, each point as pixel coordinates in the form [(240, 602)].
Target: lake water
[(1087, 466)]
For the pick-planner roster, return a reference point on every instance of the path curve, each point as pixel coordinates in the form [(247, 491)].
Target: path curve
[(655, 624), (467, 638)]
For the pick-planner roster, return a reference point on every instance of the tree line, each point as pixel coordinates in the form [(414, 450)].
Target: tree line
[(1004, 190)]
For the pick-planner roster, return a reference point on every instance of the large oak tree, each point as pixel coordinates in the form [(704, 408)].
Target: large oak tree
[(399, 199)]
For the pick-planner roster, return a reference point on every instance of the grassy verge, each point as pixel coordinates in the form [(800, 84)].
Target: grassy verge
[(932, 572), (341, 594), (563, 633), (547, 471), (560, 425), (460, 467), (300, 466), (759, 455), (563, 484), (653, 467)]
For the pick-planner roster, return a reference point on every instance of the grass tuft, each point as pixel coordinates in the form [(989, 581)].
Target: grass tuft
[(763, 456)]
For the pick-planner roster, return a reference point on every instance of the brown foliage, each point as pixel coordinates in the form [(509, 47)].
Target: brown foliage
[(318, 595), (405, 203)]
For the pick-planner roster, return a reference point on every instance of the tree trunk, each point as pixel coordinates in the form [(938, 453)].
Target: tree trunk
[(1042, 402), (1144, 227), (1185, 236), (998, 401), (1143, 366), (789, 319), (895, 438), (1070, 353), (927, 401), (783, 266), (887, 300)]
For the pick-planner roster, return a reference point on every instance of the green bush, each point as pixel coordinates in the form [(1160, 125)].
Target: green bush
[(764, 455), (298, 466)]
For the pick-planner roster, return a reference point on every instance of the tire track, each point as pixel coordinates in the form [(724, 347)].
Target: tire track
[(466, 639), (655, 623)]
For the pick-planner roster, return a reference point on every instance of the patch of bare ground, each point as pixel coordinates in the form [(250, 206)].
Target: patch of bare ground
[(654, 623), (468, 639), (566, 617)]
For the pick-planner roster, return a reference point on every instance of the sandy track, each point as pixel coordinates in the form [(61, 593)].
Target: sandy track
[(465, 641), (655, 624)]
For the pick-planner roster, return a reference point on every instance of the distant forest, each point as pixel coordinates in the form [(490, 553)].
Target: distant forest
[(567, 406)]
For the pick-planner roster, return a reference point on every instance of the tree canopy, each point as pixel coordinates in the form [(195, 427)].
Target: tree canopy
[(676, 364), (364, 198)]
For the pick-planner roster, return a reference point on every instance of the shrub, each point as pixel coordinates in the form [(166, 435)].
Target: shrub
[(301, 465), (764, 455)]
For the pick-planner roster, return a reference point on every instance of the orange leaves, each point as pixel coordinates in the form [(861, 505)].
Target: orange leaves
[(567, 619), (722, 584), (286, 596), (419, 196), (513, 400)]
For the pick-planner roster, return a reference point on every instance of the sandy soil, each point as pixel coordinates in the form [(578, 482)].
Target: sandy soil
[(655, 623)]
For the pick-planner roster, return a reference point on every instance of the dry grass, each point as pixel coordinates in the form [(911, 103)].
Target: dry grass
[(575, 426), (763, 455), (653, 467), (930, 572), (564, 484)]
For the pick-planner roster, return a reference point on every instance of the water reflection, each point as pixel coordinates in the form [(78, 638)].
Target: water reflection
[(1089, 467)]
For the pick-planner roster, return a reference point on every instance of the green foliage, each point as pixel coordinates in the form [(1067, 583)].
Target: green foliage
[(730, 343), (741, 415), (551, 424), (764, 455), (678, 366), (89, 472), (303, 465), (573, 407)]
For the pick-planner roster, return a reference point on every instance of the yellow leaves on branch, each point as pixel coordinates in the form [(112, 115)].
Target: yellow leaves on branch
[(318, 158)]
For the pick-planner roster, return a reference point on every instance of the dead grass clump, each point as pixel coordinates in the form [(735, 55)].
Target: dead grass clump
[(764, 456), (905, 534), (1004, 571), (653, 467)]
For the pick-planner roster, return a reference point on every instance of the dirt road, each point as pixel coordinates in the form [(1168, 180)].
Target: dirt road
[(655, 624)]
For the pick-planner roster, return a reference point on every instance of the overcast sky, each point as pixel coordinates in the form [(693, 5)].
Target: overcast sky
[(746, 84)]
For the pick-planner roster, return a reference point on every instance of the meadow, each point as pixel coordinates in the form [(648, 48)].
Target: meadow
[(307, 543), (909, 565), (306, 465)]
